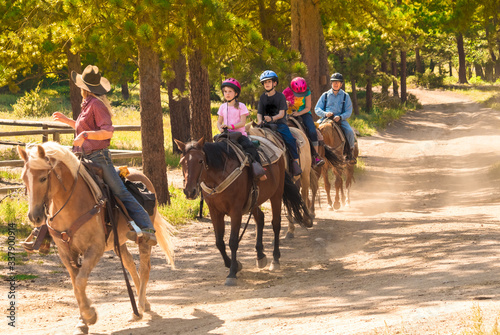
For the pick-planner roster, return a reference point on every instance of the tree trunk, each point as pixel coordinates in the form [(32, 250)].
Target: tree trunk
[(179, 105), (418, 61), (450, 65), (385, 83), (308, 39), (488, 71), (403, 76), (394, 67), (462, 74), (479, 70), (199, 105), (74, 64), (125, 91), (153, 150), (354, 98), (267, 16)]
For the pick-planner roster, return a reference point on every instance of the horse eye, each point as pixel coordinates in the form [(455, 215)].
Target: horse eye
[(200, 161), (43, 179)]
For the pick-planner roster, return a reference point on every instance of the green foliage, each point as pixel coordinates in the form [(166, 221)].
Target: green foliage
[(32, 104), (181, 210), (428, 79), (14, 209), (10, 175)]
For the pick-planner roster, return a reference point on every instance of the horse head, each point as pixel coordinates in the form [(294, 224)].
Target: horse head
[(39, 166), (192, 163)]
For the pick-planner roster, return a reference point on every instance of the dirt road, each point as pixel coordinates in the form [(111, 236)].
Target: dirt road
[(418, 248)]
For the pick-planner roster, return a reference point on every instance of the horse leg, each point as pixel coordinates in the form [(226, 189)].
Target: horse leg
[(233, 245), (338, 190), (128, 263), (219, 228), (276, 222), (258, 216), (144, 271), (326, 181)]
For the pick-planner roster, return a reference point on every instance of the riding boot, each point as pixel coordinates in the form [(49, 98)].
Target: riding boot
[(350, 159), (258, 171), (296, 170), (317, 161), (29, 242), (146, 235)]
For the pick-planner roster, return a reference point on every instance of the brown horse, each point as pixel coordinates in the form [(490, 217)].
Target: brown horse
[(227, 186), (334, 138), (59, 197)]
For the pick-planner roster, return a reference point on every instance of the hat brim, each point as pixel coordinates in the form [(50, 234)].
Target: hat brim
[(300, 95), (103, 87)]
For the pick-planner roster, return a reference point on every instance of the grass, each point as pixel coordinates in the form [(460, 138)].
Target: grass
[(181, 209), (7, 175)]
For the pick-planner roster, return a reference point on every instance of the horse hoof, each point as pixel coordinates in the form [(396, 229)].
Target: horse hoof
[(135, 318), (147, 307), (231, 282), (81, 328), (90, 320), (274, 266), (330, 207), (289, 235), (336, 205), (261, 263)]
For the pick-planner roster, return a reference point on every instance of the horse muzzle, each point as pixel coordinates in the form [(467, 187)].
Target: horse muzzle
[(37, 215), (191, 194)]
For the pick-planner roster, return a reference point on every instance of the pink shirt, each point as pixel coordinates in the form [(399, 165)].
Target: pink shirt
[(232, 115), (94, 116)]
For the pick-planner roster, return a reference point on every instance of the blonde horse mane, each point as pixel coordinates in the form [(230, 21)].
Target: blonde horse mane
[(53, 150)]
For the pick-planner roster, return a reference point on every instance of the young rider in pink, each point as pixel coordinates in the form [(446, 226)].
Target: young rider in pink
[(233, 117)]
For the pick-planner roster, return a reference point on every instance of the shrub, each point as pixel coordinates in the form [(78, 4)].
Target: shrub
[(428, 79), (32, 104)]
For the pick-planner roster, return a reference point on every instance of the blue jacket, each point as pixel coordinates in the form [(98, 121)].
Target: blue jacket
[(334, 105)]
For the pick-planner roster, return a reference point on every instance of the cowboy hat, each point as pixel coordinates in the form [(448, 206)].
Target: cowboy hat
[(91, 80)]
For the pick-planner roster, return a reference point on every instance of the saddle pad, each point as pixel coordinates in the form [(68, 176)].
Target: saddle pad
[(94, 188), (269, 135), (299, 136), (269, 153)]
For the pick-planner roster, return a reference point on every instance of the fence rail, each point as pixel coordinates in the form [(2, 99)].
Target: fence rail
[(55, 129)]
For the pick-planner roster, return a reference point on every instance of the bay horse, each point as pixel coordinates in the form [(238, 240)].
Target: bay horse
[(334, 138), (58, 197), (209, 165)]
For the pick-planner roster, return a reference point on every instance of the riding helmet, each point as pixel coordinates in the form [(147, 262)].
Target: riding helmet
[(298, 85), (268, 74), (232, 83), (337, 77)]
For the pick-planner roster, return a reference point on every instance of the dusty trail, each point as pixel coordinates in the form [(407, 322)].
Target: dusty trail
[(416, 251)]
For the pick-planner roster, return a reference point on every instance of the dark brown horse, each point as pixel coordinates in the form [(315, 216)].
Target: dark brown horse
[(59, 197), (334, 139), (227, 185)]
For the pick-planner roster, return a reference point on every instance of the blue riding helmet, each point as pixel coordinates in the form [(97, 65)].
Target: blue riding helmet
[(268, 74)]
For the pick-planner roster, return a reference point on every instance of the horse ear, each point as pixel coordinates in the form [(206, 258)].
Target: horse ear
[(41, 152), (201, 142), (22, 153), (254, 124), (180, 145)]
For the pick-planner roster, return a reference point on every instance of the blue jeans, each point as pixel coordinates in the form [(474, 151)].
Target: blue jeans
[(348, 132), (113, 180), (290, 141), (310, 128)]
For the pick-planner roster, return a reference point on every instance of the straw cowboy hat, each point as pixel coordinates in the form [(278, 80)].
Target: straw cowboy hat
[(91, 80)]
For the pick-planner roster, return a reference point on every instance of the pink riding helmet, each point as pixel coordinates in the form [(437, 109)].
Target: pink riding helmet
[(299, 87), (233, 83)]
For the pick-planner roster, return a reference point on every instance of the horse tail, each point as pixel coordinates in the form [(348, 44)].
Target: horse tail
[(164, 236), (336, 161), (294, 203)]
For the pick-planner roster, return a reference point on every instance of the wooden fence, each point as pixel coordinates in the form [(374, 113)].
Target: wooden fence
[(55, 129)]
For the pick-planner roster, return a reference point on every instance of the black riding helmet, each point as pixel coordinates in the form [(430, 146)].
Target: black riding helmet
[(337, 77)]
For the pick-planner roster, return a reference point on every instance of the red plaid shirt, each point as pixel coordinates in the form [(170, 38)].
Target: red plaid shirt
[(94, 116)]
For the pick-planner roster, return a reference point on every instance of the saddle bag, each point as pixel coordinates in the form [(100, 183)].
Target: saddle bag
[(145, 197)]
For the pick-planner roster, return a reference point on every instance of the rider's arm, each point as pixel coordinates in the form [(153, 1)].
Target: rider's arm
[(220, 121), (319, 106), (280, 115), (346, 113)]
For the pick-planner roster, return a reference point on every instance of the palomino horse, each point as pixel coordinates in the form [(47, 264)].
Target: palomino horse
[(58, 197), (227, 186), (334, 138)]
